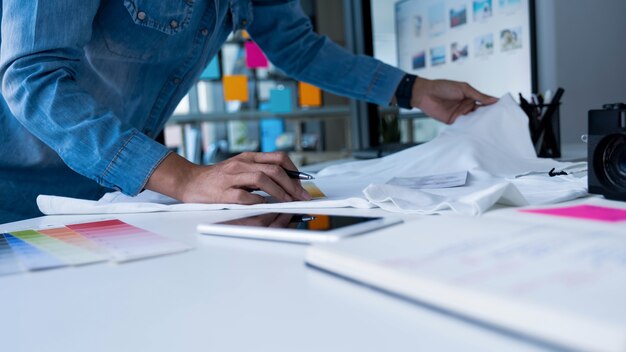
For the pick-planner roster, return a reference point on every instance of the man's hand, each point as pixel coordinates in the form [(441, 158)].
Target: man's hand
[(229, 181), (446, 100)]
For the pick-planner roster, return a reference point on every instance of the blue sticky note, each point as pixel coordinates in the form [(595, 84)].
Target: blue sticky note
[(281, 100), (270, 130), (212, 71)]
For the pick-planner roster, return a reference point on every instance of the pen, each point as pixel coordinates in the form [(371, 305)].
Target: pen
[(292, 174), (537, 109), (533, 119), (545, 123), (541, 104), (301, 218), (299, 175)]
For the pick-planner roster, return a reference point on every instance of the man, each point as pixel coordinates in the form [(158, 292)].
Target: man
[(88, 84)]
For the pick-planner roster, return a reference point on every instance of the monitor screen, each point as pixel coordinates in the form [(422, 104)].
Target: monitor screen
[(487, 43)]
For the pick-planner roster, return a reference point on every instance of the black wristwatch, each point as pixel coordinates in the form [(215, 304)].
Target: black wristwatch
[(404, 92)]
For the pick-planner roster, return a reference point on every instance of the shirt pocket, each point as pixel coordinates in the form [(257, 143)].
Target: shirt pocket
[(142, 29), (167, 16)]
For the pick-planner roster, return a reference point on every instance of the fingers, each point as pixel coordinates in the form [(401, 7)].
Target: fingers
[(230, 181), (273, 165), (261, 181), (240, 196), (280, 177), (464, 108), (276, 158), (472, 93)]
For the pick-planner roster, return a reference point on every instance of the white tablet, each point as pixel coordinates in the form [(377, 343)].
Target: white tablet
[(302, 228)]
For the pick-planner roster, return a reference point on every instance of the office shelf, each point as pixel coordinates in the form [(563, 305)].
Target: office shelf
[(328, 112)]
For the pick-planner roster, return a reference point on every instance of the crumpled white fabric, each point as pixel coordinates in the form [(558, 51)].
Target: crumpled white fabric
[(493, 144), (479, 196)]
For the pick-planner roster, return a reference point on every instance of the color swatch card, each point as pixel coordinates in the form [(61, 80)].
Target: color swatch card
[(80, 244), (31, 257), (9, 263), (124, 242), (74, 238), (255, 57), (66, 253)]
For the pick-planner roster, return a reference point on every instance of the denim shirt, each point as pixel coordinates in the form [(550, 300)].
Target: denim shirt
[(88, 84)]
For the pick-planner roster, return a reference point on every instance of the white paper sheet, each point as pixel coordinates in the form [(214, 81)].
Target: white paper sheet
[(454, 179), (562, 284), (117, 203)]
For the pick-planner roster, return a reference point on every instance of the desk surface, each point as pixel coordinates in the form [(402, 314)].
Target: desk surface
[(226, 295)]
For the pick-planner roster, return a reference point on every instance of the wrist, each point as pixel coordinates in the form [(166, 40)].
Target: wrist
[(419, 88), (173, 176)]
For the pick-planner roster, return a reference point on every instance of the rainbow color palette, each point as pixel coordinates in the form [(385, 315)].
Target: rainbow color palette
[(125, 242), (80, 244), (66, 253), (8, 261), (31, 257)]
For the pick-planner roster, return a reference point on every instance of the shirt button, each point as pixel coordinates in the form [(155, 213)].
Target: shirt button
[(204, 32), (244, 22), (174, 24), (176, 80), (141, 15)]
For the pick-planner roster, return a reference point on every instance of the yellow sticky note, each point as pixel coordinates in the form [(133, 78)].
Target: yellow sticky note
[(310, 95), (235, 88), (313, 190)]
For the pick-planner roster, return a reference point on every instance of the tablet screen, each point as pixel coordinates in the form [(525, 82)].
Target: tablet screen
[(313, 222)]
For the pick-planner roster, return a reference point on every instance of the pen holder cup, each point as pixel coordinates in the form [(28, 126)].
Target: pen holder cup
[(544, 126)]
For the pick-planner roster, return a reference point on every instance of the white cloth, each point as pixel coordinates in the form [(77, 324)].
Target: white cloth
[(148, 202), (493, 144)]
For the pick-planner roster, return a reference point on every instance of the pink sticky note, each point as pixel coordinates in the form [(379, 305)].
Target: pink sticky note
[(255, 57), (587, 212)]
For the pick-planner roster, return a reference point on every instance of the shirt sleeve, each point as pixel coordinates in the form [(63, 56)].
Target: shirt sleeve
[(286, 36), (41, 47)]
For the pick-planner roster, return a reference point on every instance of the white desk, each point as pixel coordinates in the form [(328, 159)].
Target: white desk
[(226, 295)]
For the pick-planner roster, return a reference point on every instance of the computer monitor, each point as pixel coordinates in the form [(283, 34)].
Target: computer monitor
[(487, 43)]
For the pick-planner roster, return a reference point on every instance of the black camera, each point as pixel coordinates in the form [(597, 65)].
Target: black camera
[(607, 151)]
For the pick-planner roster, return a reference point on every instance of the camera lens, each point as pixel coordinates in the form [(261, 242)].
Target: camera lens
[(621, 161), (611, 163)]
